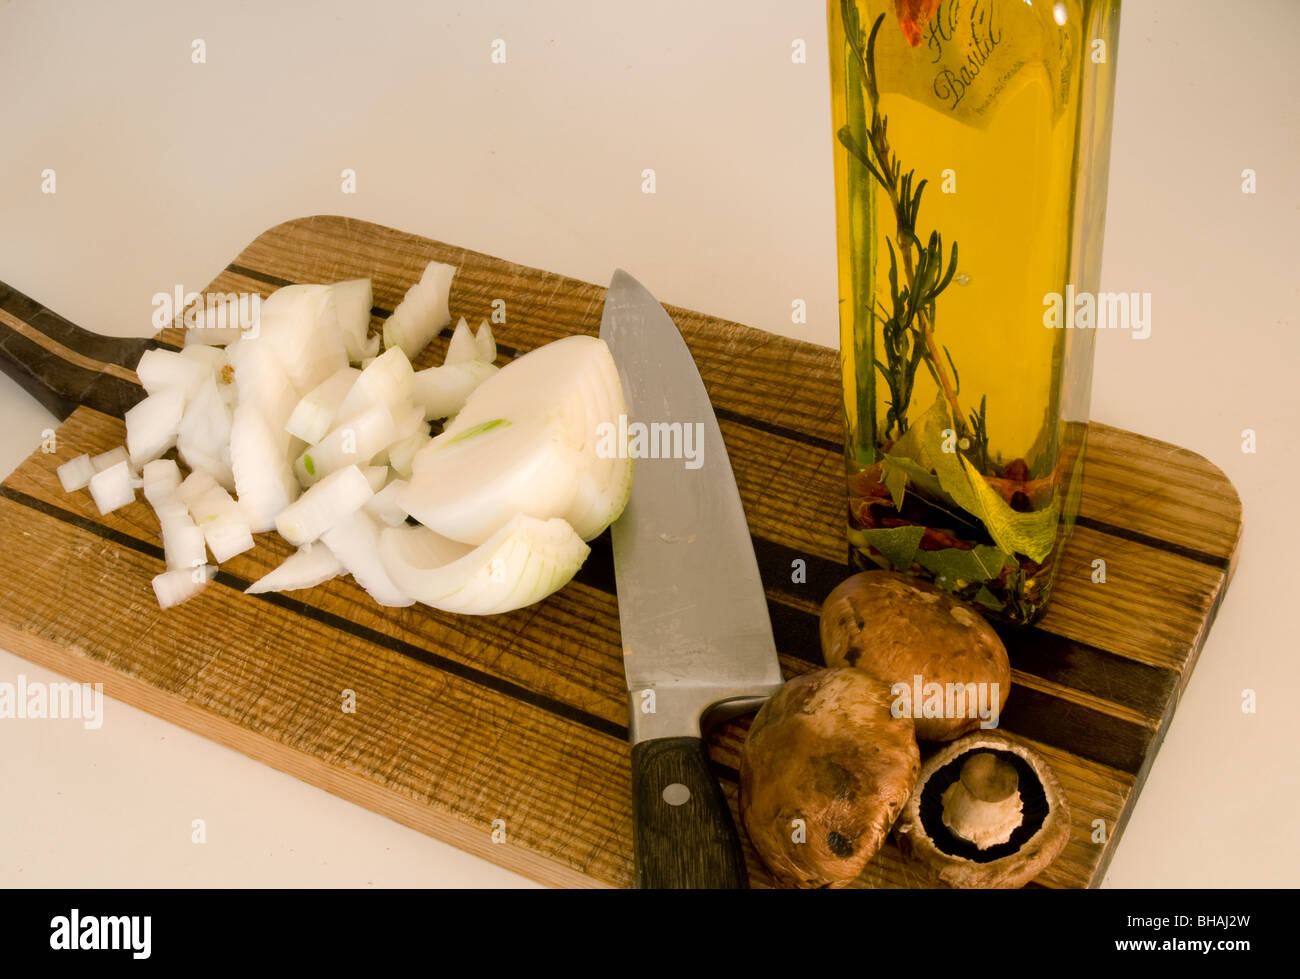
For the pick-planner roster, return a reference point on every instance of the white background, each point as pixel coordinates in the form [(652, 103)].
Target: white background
[(166, 169)]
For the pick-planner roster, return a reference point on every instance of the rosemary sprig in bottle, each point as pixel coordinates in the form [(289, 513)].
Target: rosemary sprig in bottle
[(908, 327)]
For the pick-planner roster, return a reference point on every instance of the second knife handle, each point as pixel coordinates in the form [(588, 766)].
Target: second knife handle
[(684, 834)]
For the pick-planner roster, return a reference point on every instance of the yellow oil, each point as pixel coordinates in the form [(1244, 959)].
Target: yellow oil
[(1003, 107)]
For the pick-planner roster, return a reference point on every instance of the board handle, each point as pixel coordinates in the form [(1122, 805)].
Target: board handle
[(684, 834), (63, 366)]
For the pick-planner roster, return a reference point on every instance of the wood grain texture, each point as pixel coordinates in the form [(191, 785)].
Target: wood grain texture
[(462, 721)]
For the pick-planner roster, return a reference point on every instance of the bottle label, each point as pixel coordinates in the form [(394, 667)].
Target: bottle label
[(971, 54)]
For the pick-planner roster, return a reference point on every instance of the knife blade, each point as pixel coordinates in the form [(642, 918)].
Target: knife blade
[(697, 640)]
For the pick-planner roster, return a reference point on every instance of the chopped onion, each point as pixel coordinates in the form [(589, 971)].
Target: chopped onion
[(573, 384), (224, 526), (507, 491), (161, 369), (467, 485), (386, 381), (300, 324), (353, 442), (204, 433), (314, 415), (181, 584), (162, 478), (423, 312), (183, 543), (76, 473), (106, 460), (376, 476), (462, 346), (111, 488), (485, 343), (402, 453), (442, 391), (194, 485), (264, 478), (211, 357), (152, 425), (383, 506), (325, 504), (261, 379), (353, 300), (307, 567), (354, 540), (525, 561)]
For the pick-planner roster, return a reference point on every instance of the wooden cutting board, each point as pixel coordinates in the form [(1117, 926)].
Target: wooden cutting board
[(463, 722)]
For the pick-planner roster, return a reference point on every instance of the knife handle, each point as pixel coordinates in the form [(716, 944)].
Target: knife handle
[(63, 366), (684, 834)]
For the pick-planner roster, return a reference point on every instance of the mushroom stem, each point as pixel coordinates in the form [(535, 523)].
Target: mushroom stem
[(983, 806)]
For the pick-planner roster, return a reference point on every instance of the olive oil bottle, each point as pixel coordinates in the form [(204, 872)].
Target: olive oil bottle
[(971, 142)]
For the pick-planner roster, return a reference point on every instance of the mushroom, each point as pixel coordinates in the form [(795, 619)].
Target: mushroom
[(927, 645), (825, 772), (986, 812)]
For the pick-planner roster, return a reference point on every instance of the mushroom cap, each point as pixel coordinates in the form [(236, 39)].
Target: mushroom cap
[(1042, 834), (900, 627), (826, 750)]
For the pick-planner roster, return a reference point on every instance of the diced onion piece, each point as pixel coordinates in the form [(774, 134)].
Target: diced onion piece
[(325, 504), (212, 358), (111, 488), (314, 415), (195, 485), (106, 460), (162, 478), (262, 380), (307, 567), (410, 433), (402, 453), (522, 563), (352, 442), (354, 540), (423, 312), (376, 476), (263, 476), (383, 506), (462, 346), (353, 300), (385, 381), (300, 323), (204, 433), (179, 585), (442, 391), (152, 424), (224, 526), (76, 473), (466, 486), (161, 369), (485, 343), (183, 543)]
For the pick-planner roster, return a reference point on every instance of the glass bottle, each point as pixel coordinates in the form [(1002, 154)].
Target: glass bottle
[(971, 143)]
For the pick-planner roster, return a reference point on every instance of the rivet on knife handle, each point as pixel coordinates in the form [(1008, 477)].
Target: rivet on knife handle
[(684, 834)]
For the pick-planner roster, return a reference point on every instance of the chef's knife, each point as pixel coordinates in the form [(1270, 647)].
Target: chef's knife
[(697, 640)]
